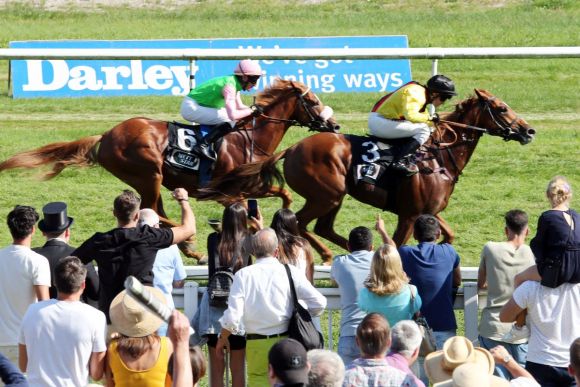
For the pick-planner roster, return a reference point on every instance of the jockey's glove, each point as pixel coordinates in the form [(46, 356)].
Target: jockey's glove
[(435, 118), (257, 110)]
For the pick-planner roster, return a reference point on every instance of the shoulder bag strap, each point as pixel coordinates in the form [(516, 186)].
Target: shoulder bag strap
[(292, 289)]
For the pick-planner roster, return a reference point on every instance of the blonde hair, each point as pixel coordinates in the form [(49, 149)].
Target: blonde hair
[(558, 191), (387, 275)]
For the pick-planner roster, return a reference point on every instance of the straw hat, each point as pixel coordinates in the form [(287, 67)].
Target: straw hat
[(131, 319), (456, 351), (472, 374)]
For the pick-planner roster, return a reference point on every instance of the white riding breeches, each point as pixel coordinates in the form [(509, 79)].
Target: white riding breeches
[(193, 112), (391, 129)]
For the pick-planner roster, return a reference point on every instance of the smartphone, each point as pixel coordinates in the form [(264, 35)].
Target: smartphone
[(252, 208)]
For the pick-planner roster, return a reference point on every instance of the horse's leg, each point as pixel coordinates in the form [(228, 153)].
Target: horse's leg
[(448, 234), (283, 194), (404, 229), (310, 211), (325, 228)]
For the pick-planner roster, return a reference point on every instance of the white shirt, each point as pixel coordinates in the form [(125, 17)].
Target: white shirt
[(553, 318), (168, 267), (20, 269), (260, 299), (60, 337)]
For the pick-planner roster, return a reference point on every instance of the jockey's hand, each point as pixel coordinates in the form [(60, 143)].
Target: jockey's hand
[(435, 118), (257, 110)]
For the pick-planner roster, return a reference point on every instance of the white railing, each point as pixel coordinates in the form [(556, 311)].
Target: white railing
[(468, 299), (290, 53)]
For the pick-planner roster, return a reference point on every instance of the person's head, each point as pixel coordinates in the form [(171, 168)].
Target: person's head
[(373, 336), (516, 221), (136, 325), (126, 207), (248, 72), (559, 191), (574, 367), (406, 339), (440, 89), (148, 217), (285, 224), (69, 275), (21, 221), (326, 368), (472, 374), (234, 229), (457, 350), (288, 363), (360, 238), (198, 363), (265, 243), (426, 228), (55, 222), (387, 275)]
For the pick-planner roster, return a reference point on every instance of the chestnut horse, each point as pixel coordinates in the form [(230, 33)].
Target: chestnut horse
[(133, 150), (318, 168)]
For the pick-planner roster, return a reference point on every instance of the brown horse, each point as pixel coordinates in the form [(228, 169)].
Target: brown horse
[(133, 150), (319, 169)]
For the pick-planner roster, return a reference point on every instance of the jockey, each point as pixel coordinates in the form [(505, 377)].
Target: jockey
[(403, 114), (218, 102)]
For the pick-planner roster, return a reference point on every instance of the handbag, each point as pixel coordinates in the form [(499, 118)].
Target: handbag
[(428, 344), (301, 327)]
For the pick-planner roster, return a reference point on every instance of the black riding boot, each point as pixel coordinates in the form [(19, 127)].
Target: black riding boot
[(203, 145), (402, 162)]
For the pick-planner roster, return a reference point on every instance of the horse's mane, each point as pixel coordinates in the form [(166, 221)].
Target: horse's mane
[(278, 89)]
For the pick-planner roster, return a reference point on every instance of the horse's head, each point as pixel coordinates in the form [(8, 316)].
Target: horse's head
[(500, 120), (307, 110)]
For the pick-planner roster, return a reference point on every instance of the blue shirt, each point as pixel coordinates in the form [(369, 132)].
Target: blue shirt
[(394, 307), (430, 267), (168, 267), (350, 272)]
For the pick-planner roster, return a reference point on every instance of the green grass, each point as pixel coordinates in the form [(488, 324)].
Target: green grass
[(499, 177)]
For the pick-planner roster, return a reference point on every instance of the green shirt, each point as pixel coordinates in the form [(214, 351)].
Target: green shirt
[(209, 94)]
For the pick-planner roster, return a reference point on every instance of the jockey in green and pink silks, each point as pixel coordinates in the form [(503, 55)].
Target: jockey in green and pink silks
[(217, 102)]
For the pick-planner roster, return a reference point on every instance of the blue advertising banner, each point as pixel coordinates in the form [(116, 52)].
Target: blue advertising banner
[(82, 78)]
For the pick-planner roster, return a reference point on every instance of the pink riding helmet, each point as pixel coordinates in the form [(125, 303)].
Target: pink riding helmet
[(248, 67)]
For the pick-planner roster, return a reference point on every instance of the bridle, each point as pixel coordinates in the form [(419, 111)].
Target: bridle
[(505, 128), (315, 123)]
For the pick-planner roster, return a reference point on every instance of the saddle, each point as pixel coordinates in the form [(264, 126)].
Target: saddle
[(180, 155)]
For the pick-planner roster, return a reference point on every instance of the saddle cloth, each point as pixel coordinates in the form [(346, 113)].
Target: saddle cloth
[(179, 154)]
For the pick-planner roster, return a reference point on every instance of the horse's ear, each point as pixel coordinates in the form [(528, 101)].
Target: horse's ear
[(479, 94)]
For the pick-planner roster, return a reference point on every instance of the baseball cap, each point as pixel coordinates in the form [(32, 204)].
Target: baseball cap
[(289, 361)]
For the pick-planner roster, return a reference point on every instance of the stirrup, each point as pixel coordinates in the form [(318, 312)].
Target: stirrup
[(205, 151), (406, 168)]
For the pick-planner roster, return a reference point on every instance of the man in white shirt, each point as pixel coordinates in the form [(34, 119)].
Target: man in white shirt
[(24, 278), (553, 316), (62, 341), (260, 304)]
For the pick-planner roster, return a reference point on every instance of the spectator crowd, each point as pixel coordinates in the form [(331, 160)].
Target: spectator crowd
[(64, 322)]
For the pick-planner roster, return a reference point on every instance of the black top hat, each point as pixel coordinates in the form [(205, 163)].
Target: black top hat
[(55, 218)]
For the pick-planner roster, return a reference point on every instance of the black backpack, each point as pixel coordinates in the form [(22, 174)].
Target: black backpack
[(219, 285)]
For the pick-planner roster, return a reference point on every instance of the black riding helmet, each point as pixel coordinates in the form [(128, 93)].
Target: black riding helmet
[(441, 84)]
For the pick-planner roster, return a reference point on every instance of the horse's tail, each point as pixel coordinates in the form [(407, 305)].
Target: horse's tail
[(245, 181), (56, 156)]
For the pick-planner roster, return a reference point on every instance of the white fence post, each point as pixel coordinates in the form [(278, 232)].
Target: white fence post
[(470, 309), (190, 298)]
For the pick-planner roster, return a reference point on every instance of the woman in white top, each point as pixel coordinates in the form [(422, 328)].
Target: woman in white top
[(294, 249)]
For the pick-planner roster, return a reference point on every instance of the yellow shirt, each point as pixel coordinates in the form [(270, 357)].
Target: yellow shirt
[(126, 377), (405, 103)]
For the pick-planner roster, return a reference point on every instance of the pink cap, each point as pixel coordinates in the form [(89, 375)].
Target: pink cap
[(248, 67)]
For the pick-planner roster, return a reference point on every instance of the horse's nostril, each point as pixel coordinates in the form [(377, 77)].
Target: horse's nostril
[(337, 127), (531, 131)]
